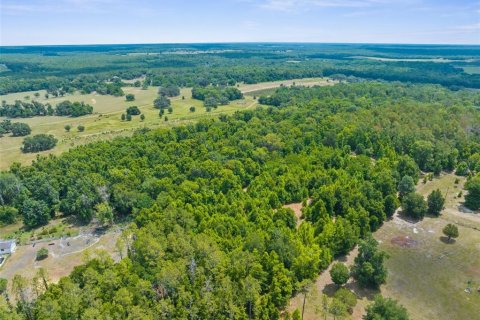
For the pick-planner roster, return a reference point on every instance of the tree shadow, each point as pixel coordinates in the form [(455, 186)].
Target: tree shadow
[(353, 286), (330, 289), (74, 221), (361, 292), (401, 215), (446, 241)]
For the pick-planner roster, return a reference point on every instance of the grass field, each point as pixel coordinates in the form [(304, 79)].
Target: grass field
[(429, 277), (105, 122)]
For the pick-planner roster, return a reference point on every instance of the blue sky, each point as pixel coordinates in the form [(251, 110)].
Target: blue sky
[(157, 21)]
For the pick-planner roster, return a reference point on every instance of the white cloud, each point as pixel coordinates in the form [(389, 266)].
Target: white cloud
[(12, 7), (290, 5), (470, 27)]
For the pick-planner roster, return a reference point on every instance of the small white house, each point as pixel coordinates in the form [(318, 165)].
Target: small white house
[(7, 247)]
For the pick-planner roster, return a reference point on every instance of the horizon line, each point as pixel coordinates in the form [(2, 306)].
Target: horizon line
[(241, 42)]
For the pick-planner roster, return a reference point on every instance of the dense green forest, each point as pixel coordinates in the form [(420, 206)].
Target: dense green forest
[(61, 69), (210, 238)]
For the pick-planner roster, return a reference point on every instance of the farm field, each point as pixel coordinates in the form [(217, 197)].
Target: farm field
[(105, 122), (426, 275), (251, 89)]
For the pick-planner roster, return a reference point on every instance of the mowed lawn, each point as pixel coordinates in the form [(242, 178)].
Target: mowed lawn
[(105, 122)]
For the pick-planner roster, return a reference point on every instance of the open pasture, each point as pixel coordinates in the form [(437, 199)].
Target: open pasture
[(426, 274), (106, 123)]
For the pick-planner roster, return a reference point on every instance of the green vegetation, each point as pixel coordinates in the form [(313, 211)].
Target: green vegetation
[(64, 69), (472, 199), (414, 206), (369, 268), (209, 236), (162, 102), (385, 309), (22, 109), (451, 231), (346, 297), (75, 109), (17, 129), (39, 142), (339, 273), (130, 97), (133, 111), (435, 201), (215, 96), (169, 91), (42, 254), (406, 186)]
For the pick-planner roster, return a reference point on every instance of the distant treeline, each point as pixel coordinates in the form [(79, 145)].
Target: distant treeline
[(201, 65), (24, 109)]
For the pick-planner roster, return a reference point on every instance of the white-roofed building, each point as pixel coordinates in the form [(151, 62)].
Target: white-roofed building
[(7, 247)]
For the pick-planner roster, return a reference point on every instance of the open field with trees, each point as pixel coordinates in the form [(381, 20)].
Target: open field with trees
[(218, 189), (208, 202), (426, 273), (106, 122)]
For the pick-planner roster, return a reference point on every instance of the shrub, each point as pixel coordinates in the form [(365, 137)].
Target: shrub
[(347, 297), (169, 91), (129, 97), (81, 128), (451, 231), (339, 273), (161, 102), (472, 199), (68, 127), (42, 254), (8, 214), (19, 129), (39, 142), (462, 169), (385, 309), (74, 109), (133, 110), (435, 202), (414, 206)]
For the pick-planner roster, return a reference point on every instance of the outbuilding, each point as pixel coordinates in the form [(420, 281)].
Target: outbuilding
[(7, 247)]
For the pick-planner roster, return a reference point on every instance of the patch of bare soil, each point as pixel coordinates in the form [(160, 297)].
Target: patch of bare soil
[(297, 209), (404, 242)]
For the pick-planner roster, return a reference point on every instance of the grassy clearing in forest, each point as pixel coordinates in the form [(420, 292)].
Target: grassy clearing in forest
[(428, 277), (105, 122)]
